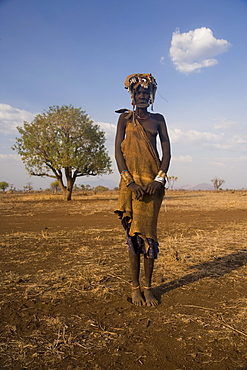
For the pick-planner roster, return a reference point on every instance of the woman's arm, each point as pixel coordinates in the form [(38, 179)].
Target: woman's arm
[(120, 134), (165, 145), (154, 186)]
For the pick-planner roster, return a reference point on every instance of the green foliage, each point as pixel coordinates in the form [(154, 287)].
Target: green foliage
[(28, 187), (100, 189), (63, 141), (55, 186), (3, 185)]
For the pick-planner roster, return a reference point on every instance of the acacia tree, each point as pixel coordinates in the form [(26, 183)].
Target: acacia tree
[(55, 186), (217, 183), (3, 186), (28, 187), (63, 143), (171, 181)]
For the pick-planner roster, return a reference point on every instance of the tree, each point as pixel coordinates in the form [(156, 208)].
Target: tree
[(100, 189), (28, 187), (171, 181), (63, 143), (217, 183), (55, 186), (3, 186)]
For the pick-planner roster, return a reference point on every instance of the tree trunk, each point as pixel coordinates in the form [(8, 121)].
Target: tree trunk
[(67, 193), (67, 190)]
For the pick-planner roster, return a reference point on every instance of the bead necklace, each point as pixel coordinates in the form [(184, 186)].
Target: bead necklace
[(146, 117)]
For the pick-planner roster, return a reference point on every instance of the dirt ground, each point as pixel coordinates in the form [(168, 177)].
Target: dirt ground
[(65, 285)]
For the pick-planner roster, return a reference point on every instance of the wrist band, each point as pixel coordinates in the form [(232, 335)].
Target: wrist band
[(160, 179), (162, 174)]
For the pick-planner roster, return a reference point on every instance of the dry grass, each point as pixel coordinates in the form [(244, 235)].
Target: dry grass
[(63, 292)]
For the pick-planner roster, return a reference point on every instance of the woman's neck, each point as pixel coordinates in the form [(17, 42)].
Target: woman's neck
[(141, 112)]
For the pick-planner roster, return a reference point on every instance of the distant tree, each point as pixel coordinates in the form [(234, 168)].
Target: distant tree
[(55, 186), (28, 187), (217, 183), (171, 181), (100, 189), (3, 185), (63, 143)]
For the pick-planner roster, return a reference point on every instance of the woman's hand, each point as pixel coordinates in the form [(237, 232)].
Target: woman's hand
[(153, 186), (137, 189)]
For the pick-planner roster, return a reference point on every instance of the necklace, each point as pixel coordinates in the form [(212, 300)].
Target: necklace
[(145, 117)]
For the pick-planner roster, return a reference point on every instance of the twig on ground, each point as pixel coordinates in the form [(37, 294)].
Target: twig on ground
[(232, 328), (117, 277)]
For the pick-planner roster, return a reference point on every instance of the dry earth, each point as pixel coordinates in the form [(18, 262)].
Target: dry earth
[(65, 285)]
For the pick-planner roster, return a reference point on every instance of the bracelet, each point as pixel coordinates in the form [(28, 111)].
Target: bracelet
[(160, 179), (162, 174)]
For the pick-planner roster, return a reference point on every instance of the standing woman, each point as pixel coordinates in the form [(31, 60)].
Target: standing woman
[(143, 177)]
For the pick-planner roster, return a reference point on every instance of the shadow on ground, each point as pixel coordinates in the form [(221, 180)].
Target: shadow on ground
[(212, 269)]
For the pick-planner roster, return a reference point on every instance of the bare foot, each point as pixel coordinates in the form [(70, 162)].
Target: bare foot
[(137, 299), (150, 299)]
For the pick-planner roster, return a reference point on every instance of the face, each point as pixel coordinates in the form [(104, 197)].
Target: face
[(142, 97)]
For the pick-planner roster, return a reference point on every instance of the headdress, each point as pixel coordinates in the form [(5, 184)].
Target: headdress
[(144, 80)]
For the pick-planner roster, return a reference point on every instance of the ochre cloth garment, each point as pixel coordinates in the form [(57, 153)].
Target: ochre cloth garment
[(143, 164)]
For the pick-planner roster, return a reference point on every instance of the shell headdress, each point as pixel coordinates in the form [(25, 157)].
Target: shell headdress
[(144, 80)]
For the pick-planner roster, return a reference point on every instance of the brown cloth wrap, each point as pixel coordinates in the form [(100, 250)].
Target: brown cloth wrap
[(143, 164)]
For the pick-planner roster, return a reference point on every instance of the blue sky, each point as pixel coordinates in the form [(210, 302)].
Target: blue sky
[(56, 52)]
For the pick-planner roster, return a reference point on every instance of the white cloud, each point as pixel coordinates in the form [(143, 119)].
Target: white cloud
[(11, 117), (162, 60), (182, 158), (209, 140), (225, 124), (196, 49), (110, 132), (193, 136), (229, 162), (234, 142), (4, 157), (108, 128), (218, 164)]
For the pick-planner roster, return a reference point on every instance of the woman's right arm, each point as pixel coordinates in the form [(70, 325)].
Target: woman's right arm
[(120, 134)]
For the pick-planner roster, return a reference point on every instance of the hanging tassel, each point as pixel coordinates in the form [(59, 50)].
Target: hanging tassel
[(152, 100), (133, 114)]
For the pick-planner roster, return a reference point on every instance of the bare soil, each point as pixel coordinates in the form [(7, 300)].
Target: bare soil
[(65, 285)]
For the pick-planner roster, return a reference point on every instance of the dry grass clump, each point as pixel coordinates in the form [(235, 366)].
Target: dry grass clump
[(206, 200), (43, 196)]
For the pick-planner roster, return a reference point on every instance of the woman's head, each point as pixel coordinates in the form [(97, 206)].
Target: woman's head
[(141, 84)]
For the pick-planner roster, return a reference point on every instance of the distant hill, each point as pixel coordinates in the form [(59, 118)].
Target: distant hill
[(203, 186), (96, 181)]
